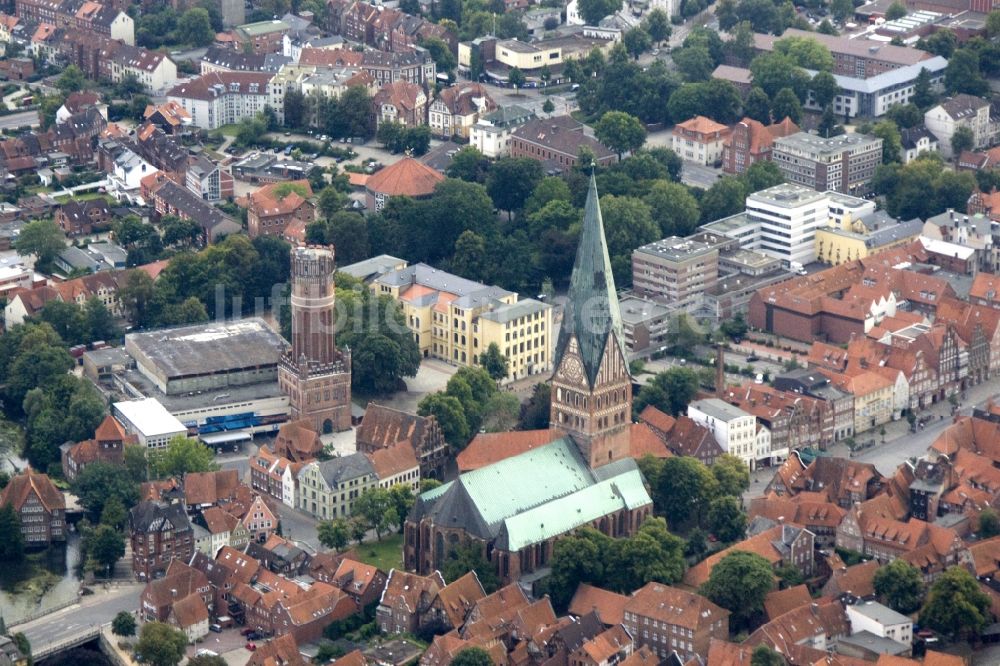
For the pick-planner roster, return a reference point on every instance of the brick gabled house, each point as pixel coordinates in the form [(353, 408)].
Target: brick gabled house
[(362, 582), (205, 489), (667, 619), (40, 506), (297, 441), (179, 581), (779, 545), (278, 206), (159, 533), (78, 218), (407, 596), (384, 427), (453, 603), (108, 445), (280, 556)]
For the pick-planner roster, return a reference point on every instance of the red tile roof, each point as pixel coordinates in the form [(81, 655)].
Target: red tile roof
[(488, 448), (407, 177), (30, 482), (610, 606)]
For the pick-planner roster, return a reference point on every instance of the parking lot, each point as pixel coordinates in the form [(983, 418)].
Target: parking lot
[(227, 643)]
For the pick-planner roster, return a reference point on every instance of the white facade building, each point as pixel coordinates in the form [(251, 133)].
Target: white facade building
[(959, 111), (880, 620), (149, 421), (222, 98), (734, 429)]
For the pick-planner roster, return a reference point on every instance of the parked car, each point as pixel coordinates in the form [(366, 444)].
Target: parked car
[(246, 631), (217, 628), (251, 646), (752, 358)]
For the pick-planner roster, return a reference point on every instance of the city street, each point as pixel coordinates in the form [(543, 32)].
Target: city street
[(15, 120), (698, 175), (97, 609)]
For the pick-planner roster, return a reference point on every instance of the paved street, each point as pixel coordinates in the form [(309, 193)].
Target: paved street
[(92, 610), (15, 120), (698, 175)]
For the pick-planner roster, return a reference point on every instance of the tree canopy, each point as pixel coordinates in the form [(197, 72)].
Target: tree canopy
[(739, 582)]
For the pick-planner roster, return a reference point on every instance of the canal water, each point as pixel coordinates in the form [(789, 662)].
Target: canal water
[(43, 581)]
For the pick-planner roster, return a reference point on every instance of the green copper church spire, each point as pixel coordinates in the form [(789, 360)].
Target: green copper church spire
[(592, 311)]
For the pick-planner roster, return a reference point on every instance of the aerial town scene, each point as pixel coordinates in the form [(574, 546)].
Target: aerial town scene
[(500, 332)]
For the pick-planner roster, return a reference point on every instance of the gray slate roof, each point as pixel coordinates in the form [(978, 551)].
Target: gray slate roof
[(345, 468)]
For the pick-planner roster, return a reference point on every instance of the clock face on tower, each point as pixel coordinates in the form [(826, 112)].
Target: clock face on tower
[(573, 369)]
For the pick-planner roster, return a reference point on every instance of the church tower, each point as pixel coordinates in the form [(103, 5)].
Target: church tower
[(314, 374), (591, 386)]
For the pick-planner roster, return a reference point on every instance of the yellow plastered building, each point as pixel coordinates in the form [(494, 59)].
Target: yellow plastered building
[(455, 320)]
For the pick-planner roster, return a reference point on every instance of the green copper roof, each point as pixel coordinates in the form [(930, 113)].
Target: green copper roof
[(625, 491), (592, 311), (484, 501)]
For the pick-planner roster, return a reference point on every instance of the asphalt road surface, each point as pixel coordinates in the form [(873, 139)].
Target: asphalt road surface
[(15, 120), (93, 610)]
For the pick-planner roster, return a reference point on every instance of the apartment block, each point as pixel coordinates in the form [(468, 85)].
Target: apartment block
[(787, 218), (675, 270), (844, 163), (735, 430)]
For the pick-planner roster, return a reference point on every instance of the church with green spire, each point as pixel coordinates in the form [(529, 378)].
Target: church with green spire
[(518, 506)]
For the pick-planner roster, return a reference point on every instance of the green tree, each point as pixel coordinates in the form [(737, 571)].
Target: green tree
[(789, 576), (593, 11), (923, 91), (620, 131), (548, 106), (516, 78), (501, 412), (216, 660), (900, 586), (511, 181), (725, 11), (726, 520), (105, 547), (764, 655), (806, 52), (469, 164), (402, 499), (695, 63), (182, 455), (494, 362), (826, 28), (669, 391), (376, 508), (467, 557), (824, 88), (828, 124), (961, 140), (682, 336), (196, 26), (955, 606), (160, 644), (786, 105), (124, 624), (359, 528), (98, 320), (732, 474), (113, 514), (739, 582), (758, 105), (760, 176), (335, 534), (993, 24), (774, 71), (842, 9), (11, 539), (673, 207), (99, 482), (535, 411), (892, 142), (71, 80), (42, 238), (989, 523), (685, 486), (726, 197), (472, 656), (637, 41), (657, 24), (896, 11), (962, 75)]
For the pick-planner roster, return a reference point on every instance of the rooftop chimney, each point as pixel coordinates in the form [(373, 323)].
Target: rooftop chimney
[(720, 371)]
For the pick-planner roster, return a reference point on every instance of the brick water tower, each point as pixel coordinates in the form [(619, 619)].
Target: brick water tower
[(314, 374)]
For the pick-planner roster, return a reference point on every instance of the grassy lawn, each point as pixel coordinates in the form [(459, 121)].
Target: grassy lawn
[(385, 554), (228, 130)]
